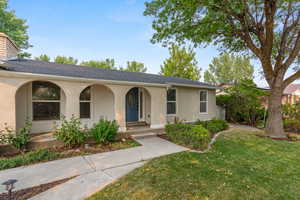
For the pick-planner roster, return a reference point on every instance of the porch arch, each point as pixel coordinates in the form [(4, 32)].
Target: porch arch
[(27, 107), (96, 102), (138, 105)]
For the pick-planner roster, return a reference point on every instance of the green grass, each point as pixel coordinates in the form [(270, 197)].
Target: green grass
[(28, 158), (240, 166), (46, 155)]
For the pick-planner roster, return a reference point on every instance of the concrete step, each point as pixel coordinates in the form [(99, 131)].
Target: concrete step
[(141, 135)]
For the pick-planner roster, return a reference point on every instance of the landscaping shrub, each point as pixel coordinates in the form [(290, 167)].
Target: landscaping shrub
[(18, 139), (291, 111), (70, 132), (193, 136), (292, 126), (214, 125), (27, 158), (104, 131), (243, 102)]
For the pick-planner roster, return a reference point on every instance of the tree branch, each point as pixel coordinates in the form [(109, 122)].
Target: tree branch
[(285, 32), (291, 79), (294, 53)]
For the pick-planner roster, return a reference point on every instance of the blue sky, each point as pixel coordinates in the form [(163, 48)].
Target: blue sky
[(96, 29)]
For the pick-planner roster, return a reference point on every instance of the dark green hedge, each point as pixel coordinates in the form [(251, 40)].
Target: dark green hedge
[(192, 136), (214, 125)]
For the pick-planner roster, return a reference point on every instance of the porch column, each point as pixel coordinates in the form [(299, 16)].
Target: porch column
[(120, 105), (72, 92), (7, 106), (158, 107)]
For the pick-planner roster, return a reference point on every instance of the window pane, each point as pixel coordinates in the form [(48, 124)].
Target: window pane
[(86, 94), (171, 108), (85, 110), (46, 110), (203, 107), (203, 96), (45, 91), (171, 95)]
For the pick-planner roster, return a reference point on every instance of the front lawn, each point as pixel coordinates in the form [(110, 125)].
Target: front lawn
[(240, 166)]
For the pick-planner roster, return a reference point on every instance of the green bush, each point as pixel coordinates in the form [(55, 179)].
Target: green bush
[(18, 139), (292, 126), (243, 102), (104, 131), (291, 111), (193, 136), (27, 158), (214, 125), (70, 132)]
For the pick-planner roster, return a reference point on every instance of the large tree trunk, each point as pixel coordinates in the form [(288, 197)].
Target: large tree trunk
[(274, 126)]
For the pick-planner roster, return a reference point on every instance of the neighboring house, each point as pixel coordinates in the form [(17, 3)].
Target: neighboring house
[(291, 94), (43, 92)]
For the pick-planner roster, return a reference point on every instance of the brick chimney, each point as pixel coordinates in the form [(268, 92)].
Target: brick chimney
[(8, 49)]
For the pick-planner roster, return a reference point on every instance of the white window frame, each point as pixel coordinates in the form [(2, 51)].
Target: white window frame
[(86, 101), (142, 90), (44, 101), (176, 96), (206, 101)]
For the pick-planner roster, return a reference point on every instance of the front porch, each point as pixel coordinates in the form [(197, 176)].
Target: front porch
[(45, 102)]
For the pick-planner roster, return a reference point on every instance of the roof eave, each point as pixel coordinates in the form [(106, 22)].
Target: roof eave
[(194, 86), (77, 79)]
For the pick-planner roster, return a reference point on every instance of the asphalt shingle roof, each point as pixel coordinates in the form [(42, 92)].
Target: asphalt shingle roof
[(67, 70)]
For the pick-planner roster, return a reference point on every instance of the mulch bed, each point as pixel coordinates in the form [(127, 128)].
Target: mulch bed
[(164, 136), (85, 149), (30, 192)]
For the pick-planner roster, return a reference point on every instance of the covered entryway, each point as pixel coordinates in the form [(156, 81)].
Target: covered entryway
[(138, 106)]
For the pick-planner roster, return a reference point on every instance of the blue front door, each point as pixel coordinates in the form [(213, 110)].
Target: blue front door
[(132, 105)]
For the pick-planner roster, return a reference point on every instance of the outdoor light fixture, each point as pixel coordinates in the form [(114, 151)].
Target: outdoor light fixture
[(9, 184)]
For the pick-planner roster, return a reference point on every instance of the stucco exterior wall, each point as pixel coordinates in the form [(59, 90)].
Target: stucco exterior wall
[(188, 105), (102, 105), (147, 107), (108, 102), (24, 110)]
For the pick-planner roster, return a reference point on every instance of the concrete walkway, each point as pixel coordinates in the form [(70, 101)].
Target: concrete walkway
[(95, 171)]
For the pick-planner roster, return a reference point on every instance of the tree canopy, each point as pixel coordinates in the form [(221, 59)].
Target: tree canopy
[(228, 69), (65, 60), (268, 30), (134, 66), (43, 57), (14, 27), (106, 64), (181, 63)]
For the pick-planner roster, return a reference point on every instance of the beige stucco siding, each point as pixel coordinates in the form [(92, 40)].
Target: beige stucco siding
[(102, 105), (188, 104), (108, 102)]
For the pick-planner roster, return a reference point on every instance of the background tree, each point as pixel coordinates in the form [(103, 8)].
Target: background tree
[(65, 60), (14, 27), (134, 66), (43, 57), (106, 64), (181, 63), (266, 29), (228, 69)]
